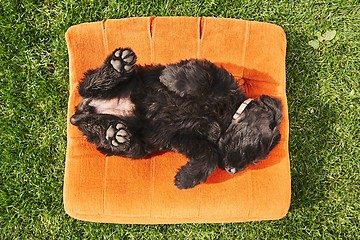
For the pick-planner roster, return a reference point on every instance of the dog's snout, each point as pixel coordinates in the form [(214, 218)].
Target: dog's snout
[(231, 170)]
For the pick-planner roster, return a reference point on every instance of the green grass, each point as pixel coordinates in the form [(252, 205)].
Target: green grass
[(322, 89)]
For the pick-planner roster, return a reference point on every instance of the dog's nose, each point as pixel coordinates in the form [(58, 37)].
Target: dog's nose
[(231, 170)]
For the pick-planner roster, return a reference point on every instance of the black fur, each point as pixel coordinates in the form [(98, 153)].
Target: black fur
[(135, 111)]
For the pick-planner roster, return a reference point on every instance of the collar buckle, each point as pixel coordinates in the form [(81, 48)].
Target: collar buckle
[(241, 108)]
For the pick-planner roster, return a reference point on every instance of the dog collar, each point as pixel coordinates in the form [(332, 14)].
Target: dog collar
[(241, 108)]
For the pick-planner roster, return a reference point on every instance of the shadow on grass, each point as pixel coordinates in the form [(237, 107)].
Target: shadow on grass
[(311, 123)]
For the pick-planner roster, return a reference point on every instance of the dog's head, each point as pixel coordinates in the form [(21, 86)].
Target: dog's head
[(252, 136)]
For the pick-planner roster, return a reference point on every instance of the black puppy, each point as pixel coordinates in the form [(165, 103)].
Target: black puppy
[(192, 107)]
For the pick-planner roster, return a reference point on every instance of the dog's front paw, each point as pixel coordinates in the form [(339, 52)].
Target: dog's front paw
[(118, 136), (123, 60), (184, 179)]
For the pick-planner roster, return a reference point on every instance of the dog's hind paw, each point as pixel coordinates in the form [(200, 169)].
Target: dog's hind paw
[(118, 136), (123, 60)]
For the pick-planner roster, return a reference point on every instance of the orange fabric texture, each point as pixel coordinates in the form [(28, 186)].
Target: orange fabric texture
[(119, 190)]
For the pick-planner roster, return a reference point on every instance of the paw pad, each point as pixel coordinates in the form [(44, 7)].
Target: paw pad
[(117, 135), (127, 56), (123, 60)]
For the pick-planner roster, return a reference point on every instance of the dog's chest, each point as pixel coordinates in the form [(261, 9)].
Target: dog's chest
[(121, 107)]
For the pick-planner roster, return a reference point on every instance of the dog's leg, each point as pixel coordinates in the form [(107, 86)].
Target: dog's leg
[(203, 156), (114, 74), (112, 135), (196, 78), (190, 77)]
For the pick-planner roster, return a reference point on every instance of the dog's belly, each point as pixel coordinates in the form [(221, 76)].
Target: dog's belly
[(121, 107)]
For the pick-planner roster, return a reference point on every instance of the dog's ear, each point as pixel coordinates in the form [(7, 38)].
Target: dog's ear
[(274, 105)]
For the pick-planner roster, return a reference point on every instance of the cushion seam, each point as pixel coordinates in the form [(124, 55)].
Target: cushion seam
[(250, 182)]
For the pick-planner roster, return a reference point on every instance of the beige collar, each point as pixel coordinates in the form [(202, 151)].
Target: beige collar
[(241, 108)]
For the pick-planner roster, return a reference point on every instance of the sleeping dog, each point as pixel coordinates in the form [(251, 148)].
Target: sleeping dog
[(192, 107)]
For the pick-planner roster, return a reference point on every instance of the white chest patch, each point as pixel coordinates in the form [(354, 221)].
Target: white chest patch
[(121, 107)]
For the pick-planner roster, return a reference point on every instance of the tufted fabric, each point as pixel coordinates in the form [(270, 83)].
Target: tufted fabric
[(119, 190)]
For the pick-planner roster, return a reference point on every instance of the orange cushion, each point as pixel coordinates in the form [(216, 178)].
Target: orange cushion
[(119, 190)]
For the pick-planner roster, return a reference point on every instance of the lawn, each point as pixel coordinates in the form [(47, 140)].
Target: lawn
[(322, 88)]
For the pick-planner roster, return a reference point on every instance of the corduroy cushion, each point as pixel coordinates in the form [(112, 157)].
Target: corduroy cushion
[(119, 190)]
